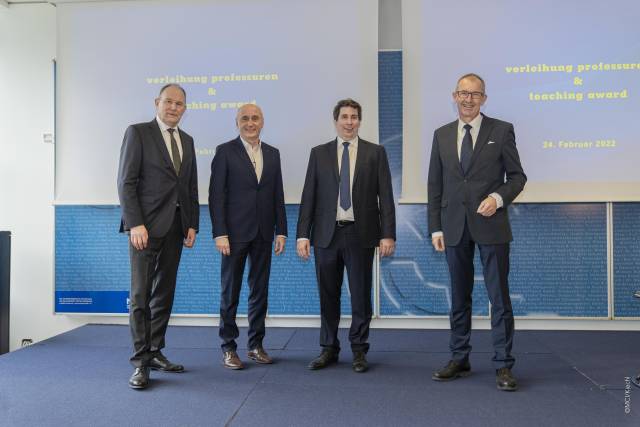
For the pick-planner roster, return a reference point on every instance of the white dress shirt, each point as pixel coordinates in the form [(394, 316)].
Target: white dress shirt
[(475, 130), (255, 154), (164, 129)]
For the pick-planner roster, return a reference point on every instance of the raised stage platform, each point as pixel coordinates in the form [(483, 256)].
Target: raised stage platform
[(80, 378)]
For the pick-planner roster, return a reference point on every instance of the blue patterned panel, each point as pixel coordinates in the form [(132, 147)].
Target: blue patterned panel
[(559, 260), (390, 112), (293, 288), (93, 272), (626, 259), (415, 281), (558, 264)]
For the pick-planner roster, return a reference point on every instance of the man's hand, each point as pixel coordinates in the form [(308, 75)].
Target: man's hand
[(438, 243), (222, 245), (304, 249), (190, 240), (139, 237), (278, 248), (387, 246), (488, 207)]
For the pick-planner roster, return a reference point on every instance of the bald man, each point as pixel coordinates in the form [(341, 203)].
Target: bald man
[(246, 203)]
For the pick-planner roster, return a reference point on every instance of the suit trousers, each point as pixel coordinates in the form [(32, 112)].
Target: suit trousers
[(232, 271), (495, 266), (344, 250), (153, 284)]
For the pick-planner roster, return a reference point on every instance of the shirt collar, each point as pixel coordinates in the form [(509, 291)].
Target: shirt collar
[(248, 146), (353, 143), (163, 125), (475, 123)]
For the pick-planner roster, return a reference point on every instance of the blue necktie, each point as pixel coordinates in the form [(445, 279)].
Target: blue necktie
[(466, 151), (345, 181)]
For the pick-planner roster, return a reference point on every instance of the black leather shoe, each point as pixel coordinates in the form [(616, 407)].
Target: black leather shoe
[(161, 363), (505, 380), (326, 358), (452, 371), (359, 364), (140, 378)]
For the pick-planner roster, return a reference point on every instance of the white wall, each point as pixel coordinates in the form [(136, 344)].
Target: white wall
[(27, 48)]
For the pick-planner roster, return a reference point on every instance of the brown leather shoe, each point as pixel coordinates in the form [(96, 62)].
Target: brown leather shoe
[(259, 356), (231, 360)]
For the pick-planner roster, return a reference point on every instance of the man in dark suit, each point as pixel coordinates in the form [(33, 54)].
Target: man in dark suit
[(246, 203), (158, 190), (347, 209), (474, 174)]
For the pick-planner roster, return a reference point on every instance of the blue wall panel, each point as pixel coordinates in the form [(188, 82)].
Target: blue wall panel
[(558, 264), (626, 259), (416, 280), (92, 269), (559, 260)]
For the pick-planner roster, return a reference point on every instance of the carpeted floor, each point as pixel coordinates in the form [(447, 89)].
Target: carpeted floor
[(566, 378)]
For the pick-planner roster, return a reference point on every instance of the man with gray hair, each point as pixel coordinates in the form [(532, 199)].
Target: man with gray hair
[(158, 191), (474, 175), (246, 203)]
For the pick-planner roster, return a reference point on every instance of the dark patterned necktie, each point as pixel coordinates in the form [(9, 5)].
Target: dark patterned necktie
[(466, 151), (175, 153)]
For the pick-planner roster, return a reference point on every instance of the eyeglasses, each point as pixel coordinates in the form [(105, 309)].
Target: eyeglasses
[(170, 102), (465, 94)]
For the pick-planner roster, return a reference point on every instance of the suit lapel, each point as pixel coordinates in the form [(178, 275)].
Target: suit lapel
[(267, 161), (238, 146), (483, 138), (159, 140), (187, 154), (333, 157), (451, 146), (363, 151)]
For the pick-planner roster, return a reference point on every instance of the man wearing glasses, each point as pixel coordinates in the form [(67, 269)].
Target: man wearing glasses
[(474, 174), (246, 203)]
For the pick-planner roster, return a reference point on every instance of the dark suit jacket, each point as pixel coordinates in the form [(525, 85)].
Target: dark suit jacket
[(148, 186), (495, 167), (240, 207), (371, 195)]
